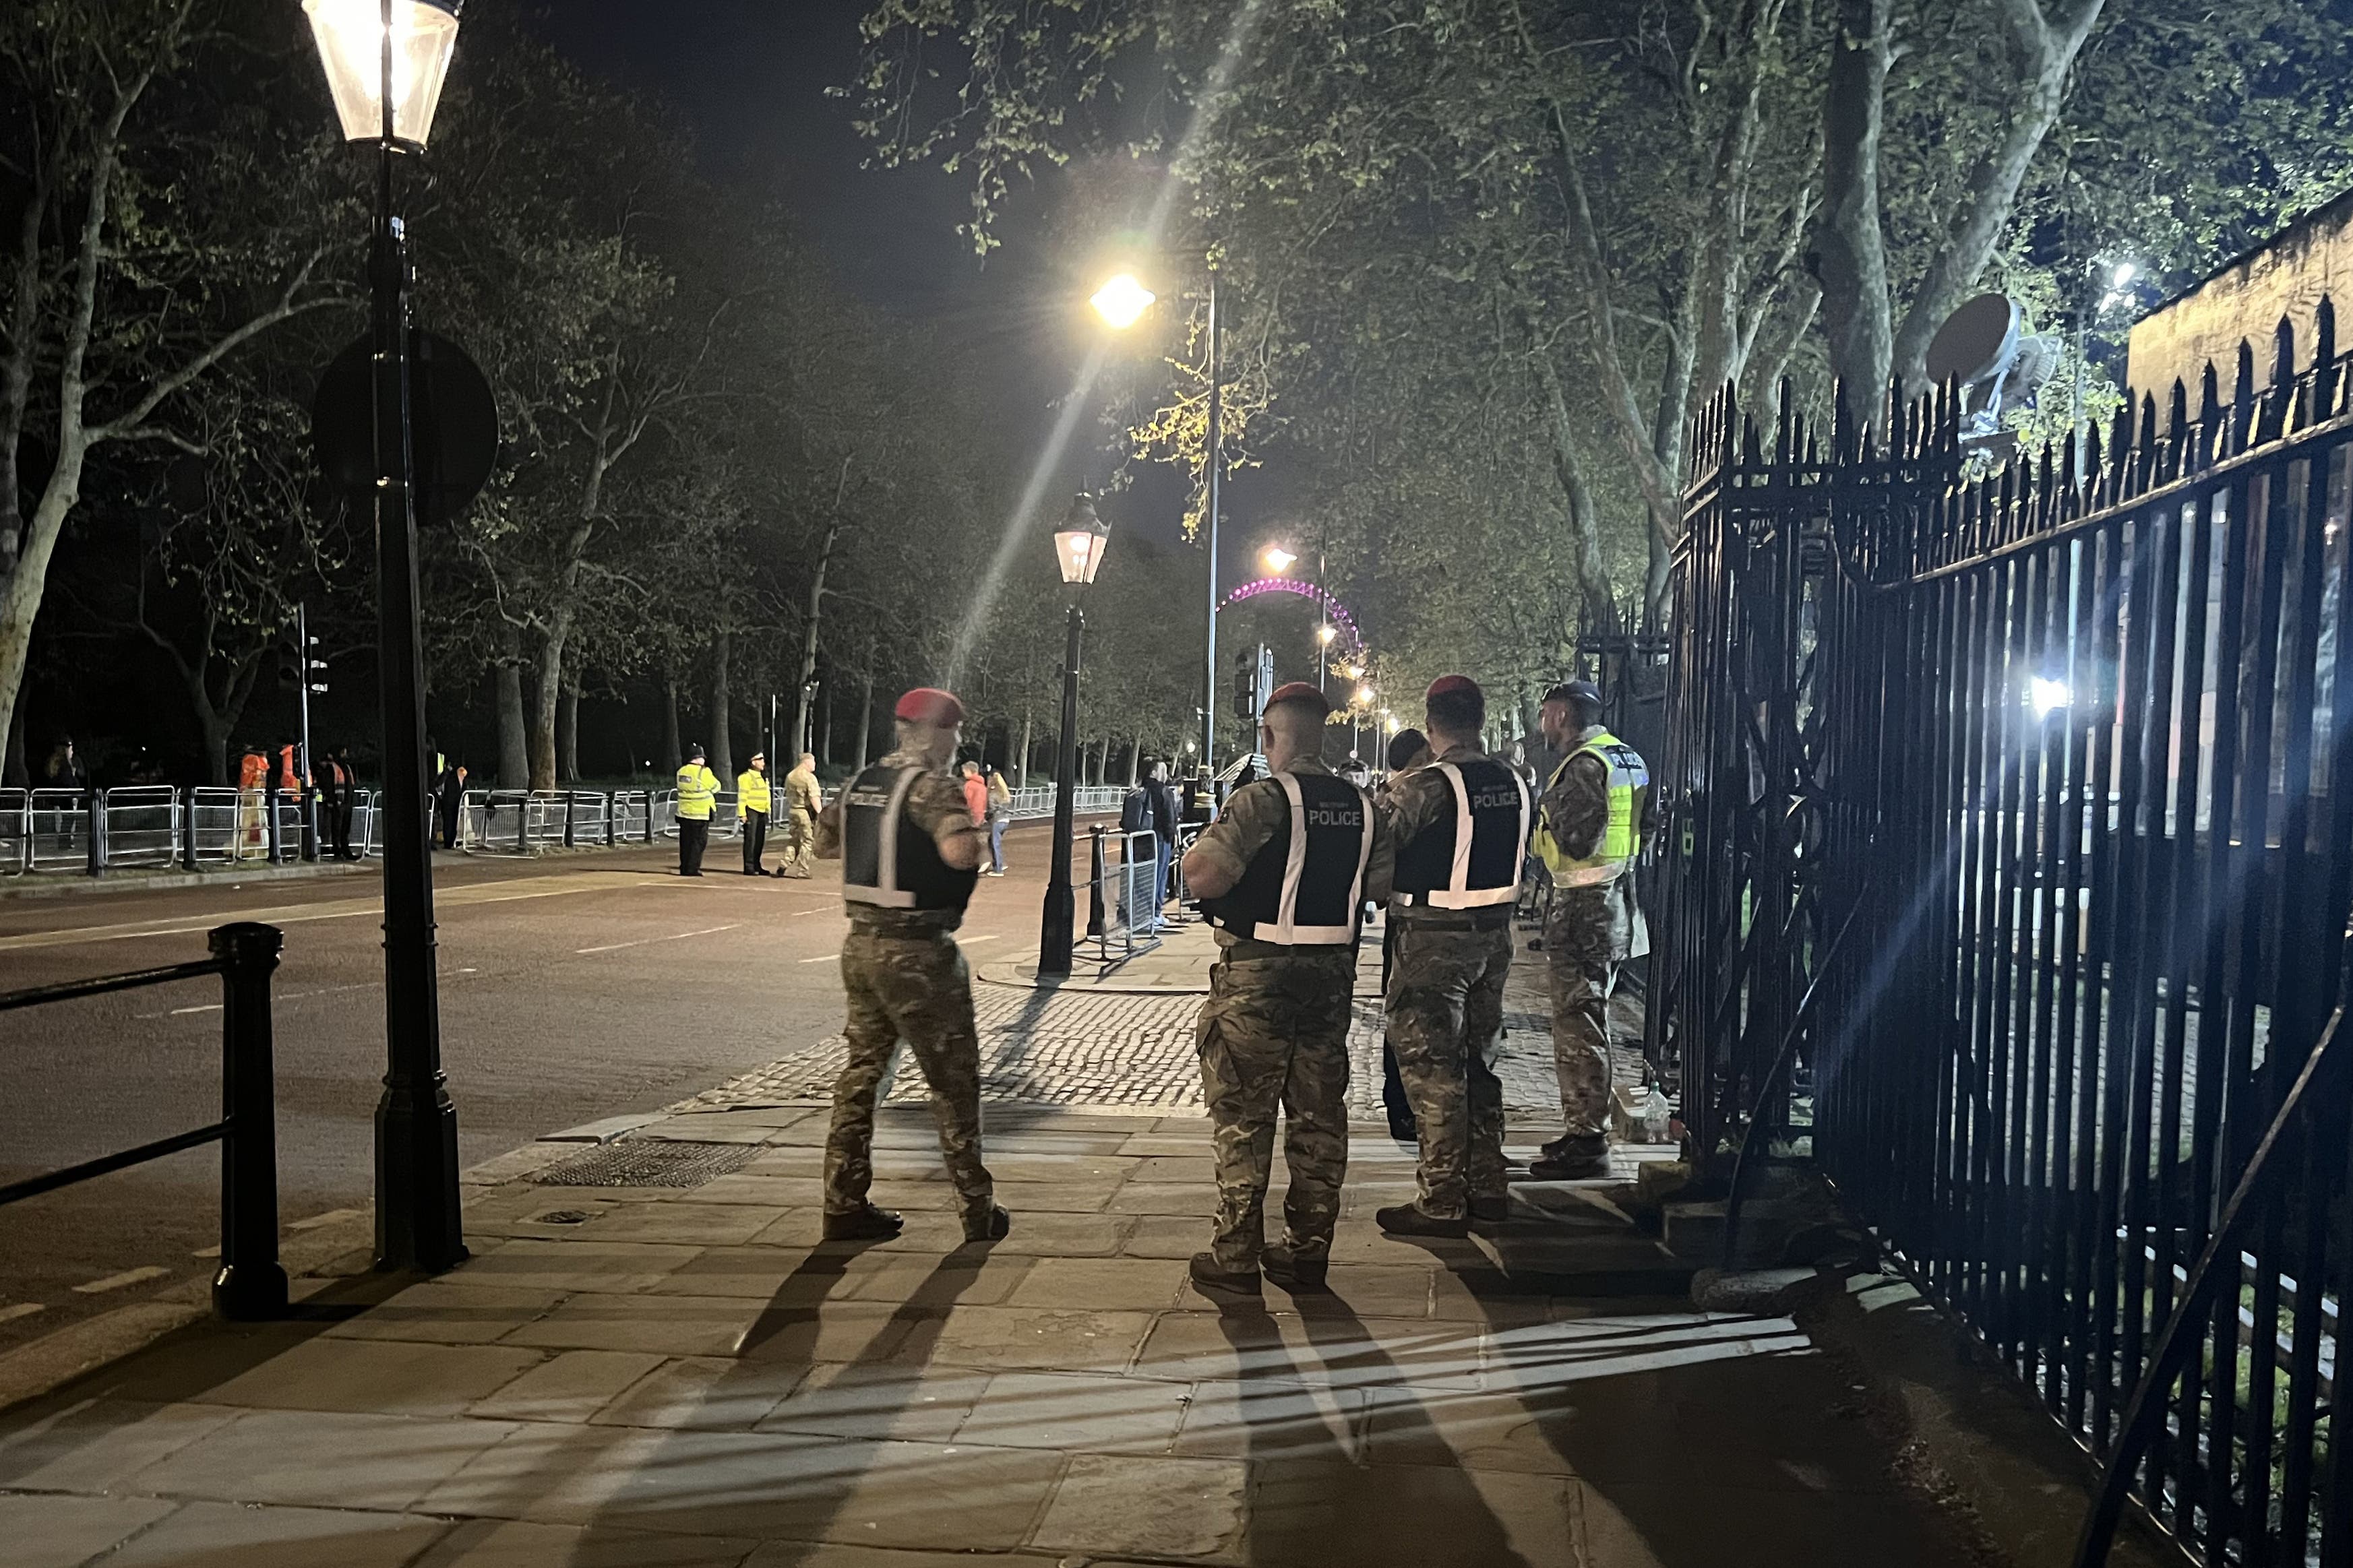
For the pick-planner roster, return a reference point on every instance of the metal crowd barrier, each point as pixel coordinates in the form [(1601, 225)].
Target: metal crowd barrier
[(1089, 800), (1124, 899), (250, 1284)]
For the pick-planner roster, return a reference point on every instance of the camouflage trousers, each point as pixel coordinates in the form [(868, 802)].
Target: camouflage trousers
[(1445, 1008), (800, 844), (1274, 1033), (1581, 964), (915, 988)]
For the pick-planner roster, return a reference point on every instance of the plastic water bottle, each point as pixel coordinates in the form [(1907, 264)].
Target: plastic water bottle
[(1655, 1116)]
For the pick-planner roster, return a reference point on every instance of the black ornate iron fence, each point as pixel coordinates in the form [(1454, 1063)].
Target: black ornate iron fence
[(2007, 870)]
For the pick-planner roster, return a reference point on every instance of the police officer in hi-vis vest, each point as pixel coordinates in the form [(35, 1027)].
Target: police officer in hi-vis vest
[(909, 853), (1461, 824), (1283, 875), (751, 801), (1589, 831), (698, 791)]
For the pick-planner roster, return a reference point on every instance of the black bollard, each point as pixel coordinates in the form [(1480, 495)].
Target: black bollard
[(250, 1284)]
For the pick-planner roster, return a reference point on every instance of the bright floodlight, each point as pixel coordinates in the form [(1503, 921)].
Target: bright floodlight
[(1324, 634), (2047, 695), (1364, 695), (1123, 301), (2123, 276), (350, 35), (1079, 543), (1278, 559)]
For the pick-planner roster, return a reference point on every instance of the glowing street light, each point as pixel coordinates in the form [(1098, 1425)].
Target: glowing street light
[(1079, 543), (1278, 560), (1079, 549), (351, 38), (1325, 632), (2046, 695), (1364, 695), (1122, 301)]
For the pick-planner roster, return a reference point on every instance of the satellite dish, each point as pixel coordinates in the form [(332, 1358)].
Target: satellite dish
[(1984, 346)]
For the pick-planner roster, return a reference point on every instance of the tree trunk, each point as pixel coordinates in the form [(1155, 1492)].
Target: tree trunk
[(567, 735), (1848, 239), (866, 723), (722, 709), (1021, 762), (514, 761), (20, 600), (825, 721), (817, 613), (13, 772), (1584, 525), (672, 750)]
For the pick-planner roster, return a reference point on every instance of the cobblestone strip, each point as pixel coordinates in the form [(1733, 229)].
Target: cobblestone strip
[(1123, 1051)]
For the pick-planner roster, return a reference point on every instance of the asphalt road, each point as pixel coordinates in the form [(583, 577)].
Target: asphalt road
[(572, 987)]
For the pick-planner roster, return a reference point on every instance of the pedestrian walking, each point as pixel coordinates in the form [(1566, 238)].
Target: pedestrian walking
[(1461, 824), (804, 801), (1283, 875), (1407, 750), (451, 790), (333, 787), (909, 855), (65, 772), (1588, 832), (1161, 801), (752, 800), (698, 792), (1001, 811), (348, 809), (975, 793)]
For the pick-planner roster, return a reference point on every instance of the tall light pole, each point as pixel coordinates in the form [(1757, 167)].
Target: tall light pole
[(1279, 561), (386, 61), (1216, 476), (1079, 551)]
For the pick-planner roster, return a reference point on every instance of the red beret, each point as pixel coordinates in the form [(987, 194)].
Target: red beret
[(1300, 691), (930, 705), (1446, 685)]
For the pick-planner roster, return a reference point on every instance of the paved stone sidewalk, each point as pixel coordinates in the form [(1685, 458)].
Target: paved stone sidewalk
[(627, 1376)]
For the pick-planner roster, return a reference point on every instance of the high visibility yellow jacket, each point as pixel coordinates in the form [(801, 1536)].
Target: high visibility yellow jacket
[(698, 788), (751, 791), (1622, 838)]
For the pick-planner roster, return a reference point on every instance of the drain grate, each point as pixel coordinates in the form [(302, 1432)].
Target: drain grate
[(648, 1163)]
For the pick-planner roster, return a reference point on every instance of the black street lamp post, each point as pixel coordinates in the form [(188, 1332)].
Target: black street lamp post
[(1079, 549), (386, 61)]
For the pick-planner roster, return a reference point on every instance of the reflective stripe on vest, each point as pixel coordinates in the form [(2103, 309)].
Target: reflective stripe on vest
[(751, 791), (1473, 888), (869, 838), (694, 796), (1320, 868), (1622, 835)]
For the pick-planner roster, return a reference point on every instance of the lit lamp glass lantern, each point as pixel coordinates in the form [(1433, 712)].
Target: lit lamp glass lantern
[(1079, 543), (351, 34)]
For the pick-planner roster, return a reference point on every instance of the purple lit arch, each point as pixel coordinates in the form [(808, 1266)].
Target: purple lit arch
[(1338, 612)]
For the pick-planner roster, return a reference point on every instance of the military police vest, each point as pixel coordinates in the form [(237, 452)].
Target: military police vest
[(1305, 886), (887, 860), (1470, 859), (1622, 835)]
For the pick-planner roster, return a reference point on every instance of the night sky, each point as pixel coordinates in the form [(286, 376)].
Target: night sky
[(750, 77)]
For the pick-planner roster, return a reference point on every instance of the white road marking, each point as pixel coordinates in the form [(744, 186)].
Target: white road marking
[(498, 892), (681, 936), (798, 914), (178, 1012), (277, 998), (822, 958), (969, 941), (21, 1310), (116, 1282)]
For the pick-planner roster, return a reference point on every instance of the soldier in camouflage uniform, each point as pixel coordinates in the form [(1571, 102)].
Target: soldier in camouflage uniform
[(1274, 1031), (1452, 908), (1589, 929), (909, 853)]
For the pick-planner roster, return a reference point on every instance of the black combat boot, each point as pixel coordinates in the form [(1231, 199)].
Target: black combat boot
[(1211, 1275), (1293, 1272), (1584, 1160), (1409, 1219), (991, 1224), (864, 1223)]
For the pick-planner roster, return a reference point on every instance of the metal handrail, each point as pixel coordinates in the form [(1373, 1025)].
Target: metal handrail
[(250, 1284)]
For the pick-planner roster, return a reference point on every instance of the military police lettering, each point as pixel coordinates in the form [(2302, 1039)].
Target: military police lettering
[(1472, 861), (1306, 888)]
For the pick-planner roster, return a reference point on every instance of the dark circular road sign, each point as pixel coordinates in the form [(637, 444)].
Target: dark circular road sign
[(453, 424)]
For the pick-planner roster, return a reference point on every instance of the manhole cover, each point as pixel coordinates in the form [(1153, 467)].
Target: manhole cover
[(648, 1163), (565, 1217)]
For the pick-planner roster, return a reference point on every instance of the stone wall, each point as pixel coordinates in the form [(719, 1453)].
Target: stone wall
[(2245, 300)]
